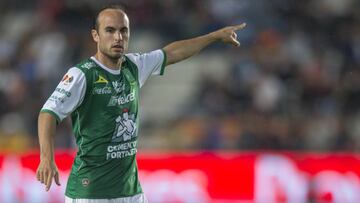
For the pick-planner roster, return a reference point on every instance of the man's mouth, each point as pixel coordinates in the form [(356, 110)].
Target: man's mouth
[(117, 46)]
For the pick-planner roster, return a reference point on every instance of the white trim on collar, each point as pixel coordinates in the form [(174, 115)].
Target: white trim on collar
[(112, 71)]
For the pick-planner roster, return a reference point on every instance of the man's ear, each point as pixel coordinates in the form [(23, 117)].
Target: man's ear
[(95, 35)]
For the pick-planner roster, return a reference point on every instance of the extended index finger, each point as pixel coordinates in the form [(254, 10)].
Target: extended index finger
[(239, 27), (49, 181)]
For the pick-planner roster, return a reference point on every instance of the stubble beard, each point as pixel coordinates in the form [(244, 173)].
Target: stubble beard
[(114, 57)]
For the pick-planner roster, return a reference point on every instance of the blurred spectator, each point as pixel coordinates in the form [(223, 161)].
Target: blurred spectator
[(294, 83)]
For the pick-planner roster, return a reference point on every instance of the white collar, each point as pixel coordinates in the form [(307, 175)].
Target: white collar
[(112, 71)]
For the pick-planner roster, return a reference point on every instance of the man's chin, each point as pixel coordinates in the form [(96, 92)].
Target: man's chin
[(116, 56)]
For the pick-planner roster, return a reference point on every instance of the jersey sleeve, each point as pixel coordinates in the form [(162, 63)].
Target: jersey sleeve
[(151, 63), (67, 96)]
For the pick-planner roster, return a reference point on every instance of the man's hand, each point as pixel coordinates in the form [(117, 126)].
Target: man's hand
[(228, 34), (46, 171)]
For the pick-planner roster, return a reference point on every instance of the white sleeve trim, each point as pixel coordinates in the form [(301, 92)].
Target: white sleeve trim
[(68, 95)]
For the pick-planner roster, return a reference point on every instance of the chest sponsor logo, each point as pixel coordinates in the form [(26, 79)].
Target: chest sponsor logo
[(121, 150), (125, 127), (125, 130), (102, 90), (122, 99), (118, 86)]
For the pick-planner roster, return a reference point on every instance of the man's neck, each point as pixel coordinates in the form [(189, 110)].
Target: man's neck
[(114, 64)]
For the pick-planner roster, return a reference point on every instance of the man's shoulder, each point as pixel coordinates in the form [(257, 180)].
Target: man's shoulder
[(133, 57), (137, 57), (86, 65)]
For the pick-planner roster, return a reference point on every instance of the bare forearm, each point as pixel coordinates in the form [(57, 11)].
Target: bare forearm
[(184, 49), (180, 50), (47, 169), (46, 132)]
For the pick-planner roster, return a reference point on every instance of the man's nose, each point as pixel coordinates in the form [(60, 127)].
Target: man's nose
[(118, 36)]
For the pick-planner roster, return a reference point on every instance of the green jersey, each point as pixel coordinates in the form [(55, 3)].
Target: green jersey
[(104, 108)]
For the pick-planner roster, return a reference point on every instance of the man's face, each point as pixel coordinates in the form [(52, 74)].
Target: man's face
[(113, 33)]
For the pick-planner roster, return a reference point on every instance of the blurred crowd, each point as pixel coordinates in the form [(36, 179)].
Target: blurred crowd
[(294, 84)]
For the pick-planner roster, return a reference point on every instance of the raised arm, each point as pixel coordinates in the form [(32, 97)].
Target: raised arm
[(47, 169), (180, 50)]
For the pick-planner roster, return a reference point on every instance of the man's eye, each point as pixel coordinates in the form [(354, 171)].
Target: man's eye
[(124, 31)]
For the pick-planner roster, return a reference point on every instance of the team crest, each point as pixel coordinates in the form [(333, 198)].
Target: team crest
[(85, 182)]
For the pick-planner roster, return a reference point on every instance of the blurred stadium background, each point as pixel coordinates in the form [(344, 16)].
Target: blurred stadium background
[(293, 87)]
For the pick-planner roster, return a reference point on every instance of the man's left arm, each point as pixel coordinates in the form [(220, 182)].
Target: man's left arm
[(180, 50)]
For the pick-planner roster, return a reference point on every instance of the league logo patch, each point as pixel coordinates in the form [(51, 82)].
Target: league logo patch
[(67, 79)]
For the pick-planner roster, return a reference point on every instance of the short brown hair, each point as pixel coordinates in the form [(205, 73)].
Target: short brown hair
[(111, 6)]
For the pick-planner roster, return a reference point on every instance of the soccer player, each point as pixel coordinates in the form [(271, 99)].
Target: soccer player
[(101, 94)]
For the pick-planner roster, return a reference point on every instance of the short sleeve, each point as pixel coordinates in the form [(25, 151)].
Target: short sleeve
[(67, 96), (151, 63)]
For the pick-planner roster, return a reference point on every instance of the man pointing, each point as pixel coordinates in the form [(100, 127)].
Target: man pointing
[(102, 87)]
